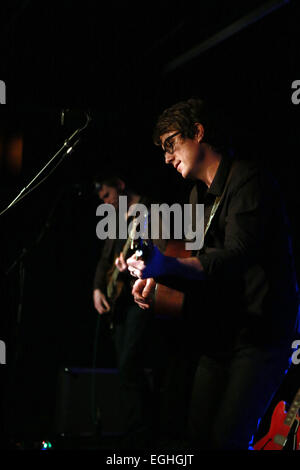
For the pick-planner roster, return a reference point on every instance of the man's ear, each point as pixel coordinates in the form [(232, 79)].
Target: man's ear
[(199, 132)]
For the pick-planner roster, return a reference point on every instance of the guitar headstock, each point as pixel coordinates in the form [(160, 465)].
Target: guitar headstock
[(141, 243)]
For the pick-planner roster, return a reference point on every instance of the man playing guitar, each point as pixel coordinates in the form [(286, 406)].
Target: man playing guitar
[(130, 327), (241, 299)]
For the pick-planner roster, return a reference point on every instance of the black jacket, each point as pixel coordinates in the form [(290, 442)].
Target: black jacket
[(250, 292)]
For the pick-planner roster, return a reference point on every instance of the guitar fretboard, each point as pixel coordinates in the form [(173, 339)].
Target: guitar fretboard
[(126, 247), (293, 410)]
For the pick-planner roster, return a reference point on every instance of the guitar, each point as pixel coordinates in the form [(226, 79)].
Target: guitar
[(166, 301), (169, 301), (114, 282), (280, 428)]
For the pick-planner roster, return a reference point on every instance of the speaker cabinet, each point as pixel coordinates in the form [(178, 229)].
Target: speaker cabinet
[(88, 402)]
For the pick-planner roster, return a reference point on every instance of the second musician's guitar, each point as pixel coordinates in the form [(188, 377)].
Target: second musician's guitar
[(115, 283)]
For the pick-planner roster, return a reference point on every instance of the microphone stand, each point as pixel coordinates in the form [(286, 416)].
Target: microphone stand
[(67, 147), (19, 262), (15, 335)]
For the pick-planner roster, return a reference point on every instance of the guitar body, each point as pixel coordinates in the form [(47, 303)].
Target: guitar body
[(114, 281), (168, 301), (297, 438), (114, 285), (276, 438)]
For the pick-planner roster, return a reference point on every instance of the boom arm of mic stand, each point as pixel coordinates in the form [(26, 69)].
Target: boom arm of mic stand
[(25, 250), (68, 151)]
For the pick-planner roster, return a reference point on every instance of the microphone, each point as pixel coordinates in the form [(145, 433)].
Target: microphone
[(67, 113), (74, 115)]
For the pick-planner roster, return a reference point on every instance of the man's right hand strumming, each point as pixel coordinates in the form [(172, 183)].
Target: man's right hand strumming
[(121, 264), (100, 302), (143, 292)]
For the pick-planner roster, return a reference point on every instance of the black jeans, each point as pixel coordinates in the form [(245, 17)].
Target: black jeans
[(131, 335), (230, 394)]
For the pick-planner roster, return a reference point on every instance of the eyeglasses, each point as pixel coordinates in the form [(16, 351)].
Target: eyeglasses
[(168, 146)]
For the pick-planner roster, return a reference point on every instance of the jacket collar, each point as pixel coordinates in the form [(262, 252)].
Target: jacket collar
[(218, 183)]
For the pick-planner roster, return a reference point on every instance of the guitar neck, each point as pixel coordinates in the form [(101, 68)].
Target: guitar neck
[(293, 410), (116, 272)]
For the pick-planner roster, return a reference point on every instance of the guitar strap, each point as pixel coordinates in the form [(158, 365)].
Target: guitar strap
[(218, 200)]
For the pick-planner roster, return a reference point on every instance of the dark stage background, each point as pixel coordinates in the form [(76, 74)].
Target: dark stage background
[(114, 63)]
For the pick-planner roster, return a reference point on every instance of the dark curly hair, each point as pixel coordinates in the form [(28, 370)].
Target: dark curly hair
[(183, 117)]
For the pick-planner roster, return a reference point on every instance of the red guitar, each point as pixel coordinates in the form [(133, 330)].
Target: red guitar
[(280, 428)]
